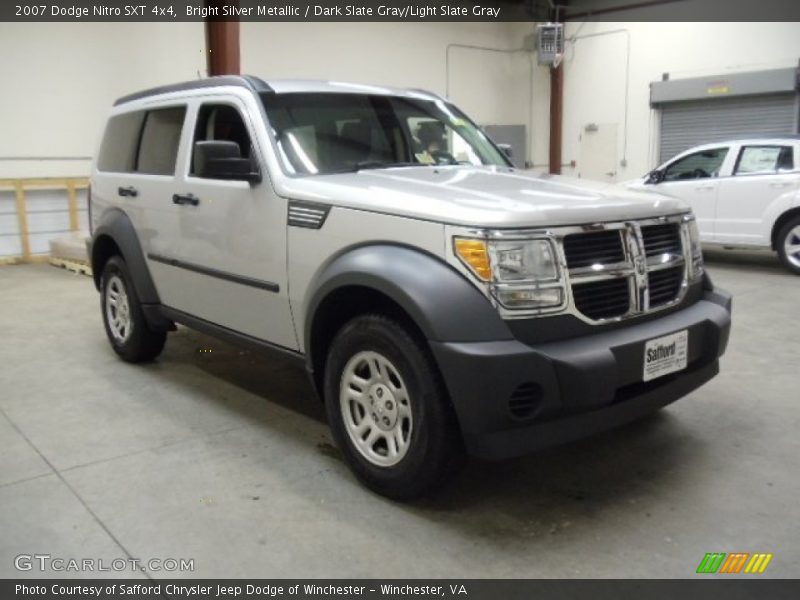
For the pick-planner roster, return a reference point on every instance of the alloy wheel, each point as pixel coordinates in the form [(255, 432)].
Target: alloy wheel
[(376, 408), (118, 309), (791, 246)]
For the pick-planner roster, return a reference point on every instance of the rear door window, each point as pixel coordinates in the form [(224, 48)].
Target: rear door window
[(764, 159), (161, 136)]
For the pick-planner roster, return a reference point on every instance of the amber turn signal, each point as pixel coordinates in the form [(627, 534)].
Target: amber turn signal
[(475, 254)]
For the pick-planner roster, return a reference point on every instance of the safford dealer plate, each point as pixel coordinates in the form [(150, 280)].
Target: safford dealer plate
[(665, 355)]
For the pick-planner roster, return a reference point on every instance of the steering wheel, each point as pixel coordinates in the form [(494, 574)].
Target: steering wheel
[(700, 173)]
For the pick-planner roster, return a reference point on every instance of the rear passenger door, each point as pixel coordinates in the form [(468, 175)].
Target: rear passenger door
[(764, 175), (136, 168), (151, 184), (225, 259)]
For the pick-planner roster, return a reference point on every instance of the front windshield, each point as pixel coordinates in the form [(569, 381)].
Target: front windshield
[(318, 133)]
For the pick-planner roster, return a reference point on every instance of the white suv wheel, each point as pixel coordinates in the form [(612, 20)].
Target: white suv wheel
[(791, 246)]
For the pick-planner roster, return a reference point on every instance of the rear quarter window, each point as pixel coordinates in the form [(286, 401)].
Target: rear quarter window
[(161, 136), (118, 148)]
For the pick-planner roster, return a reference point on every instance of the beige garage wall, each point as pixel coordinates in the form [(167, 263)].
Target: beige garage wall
[(491, 87), (60, 79), (594, 84)]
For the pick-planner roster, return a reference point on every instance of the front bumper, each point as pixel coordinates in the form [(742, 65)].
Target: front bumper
[(575, 387)]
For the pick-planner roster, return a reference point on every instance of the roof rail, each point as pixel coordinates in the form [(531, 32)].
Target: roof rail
[(428, 93), (254, 84)]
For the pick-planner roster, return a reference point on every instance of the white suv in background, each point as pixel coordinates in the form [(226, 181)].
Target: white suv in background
[(744, 193)]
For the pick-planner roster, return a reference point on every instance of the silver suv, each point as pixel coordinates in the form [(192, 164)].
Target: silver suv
[(443, 302)]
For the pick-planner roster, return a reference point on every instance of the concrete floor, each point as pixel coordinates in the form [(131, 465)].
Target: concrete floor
[(222, 456)]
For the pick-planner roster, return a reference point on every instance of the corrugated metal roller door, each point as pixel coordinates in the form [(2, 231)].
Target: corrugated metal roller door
[(694, 122)]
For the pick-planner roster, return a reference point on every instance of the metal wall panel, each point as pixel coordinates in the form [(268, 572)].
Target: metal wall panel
[(727, 85), (694, 122), (515, 136)]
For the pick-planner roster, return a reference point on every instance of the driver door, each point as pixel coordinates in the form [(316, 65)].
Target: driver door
[(694, 179), (226, 263)]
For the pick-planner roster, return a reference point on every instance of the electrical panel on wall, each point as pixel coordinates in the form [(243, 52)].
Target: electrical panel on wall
[(550, 43)]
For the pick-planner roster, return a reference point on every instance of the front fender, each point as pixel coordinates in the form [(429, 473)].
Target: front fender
[(442, 302)]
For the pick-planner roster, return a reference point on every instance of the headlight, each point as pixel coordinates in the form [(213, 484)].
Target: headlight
[(523, 260), (522, 274), (696, 264)]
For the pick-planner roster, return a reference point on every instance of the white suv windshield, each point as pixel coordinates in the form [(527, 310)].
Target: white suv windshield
[(318, 133)]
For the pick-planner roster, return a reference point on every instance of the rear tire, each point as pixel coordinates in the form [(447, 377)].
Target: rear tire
[(125, 323), (788, 244), (388, 409)]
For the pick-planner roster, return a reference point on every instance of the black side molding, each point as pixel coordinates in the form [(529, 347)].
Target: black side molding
[(249, 281), (254, 84), (229, 335)]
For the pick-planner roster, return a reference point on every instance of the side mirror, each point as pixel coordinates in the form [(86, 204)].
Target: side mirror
[(506, 149), (222, 160), (655, 176)]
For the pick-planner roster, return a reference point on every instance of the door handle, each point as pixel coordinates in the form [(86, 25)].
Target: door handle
[(704, 188), (128, 191), (185, 199), (780, 184)]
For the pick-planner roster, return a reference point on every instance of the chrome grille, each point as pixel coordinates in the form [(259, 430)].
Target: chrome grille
[(662, 239), (664, 285), (603, 299), (621, 270), (596, 247)]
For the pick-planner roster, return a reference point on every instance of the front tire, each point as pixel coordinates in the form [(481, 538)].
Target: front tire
[(788, 244), (388, 410), (125, 324)]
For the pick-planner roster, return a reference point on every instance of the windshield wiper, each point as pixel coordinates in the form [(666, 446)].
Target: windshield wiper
[(377, 164), (373, 164)]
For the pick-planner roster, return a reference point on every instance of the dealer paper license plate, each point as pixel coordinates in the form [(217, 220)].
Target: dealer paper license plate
[(665, 355)]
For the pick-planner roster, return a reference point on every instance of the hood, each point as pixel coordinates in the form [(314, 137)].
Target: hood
[(482, 196)]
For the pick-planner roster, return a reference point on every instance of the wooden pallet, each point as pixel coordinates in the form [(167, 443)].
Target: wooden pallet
[(18, 260), (70, 184), (71, 265)]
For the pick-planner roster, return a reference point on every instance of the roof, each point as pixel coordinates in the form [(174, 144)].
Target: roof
[(247, 81), (766, 140), (258, 85)]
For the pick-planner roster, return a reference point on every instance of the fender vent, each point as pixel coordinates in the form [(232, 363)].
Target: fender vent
[(525, 400), (310, 215)]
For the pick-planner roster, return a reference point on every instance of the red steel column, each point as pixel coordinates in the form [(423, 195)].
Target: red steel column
[(222, 42), (556, 116)]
